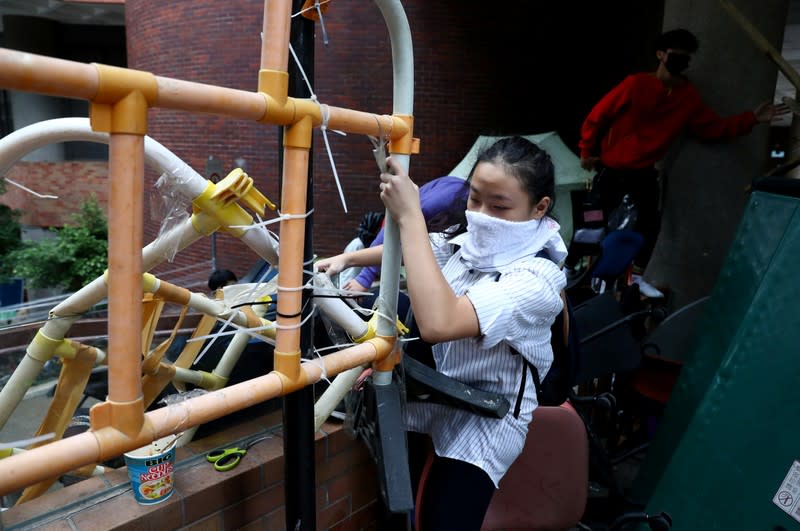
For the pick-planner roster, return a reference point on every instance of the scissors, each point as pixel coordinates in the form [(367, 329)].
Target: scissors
[(228, 458)]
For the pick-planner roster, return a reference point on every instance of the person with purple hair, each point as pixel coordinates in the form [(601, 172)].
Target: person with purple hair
[(437, 198)]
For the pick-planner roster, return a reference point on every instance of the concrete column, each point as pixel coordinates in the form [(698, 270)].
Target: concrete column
[(705, 185)]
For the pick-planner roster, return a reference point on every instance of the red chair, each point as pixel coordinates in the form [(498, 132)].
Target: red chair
[(547, 486)]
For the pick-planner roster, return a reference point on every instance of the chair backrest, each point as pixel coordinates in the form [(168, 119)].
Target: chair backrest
[(608, 338), (547, 486), (665, 350), (619, 248)]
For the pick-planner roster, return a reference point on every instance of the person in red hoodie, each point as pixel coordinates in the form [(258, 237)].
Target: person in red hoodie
[(631, 128)]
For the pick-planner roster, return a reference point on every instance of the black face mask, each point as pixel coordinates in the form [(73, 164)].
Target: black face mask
[(676, 63)]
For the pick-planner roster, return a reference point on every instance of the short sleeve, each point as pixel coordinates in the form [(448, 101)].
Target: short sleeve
[(442, 248), (519, 301)]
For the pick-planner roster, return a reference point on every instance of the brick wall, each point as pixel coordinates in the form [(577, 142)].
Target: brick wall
[(480, 68), (465, 74), (71, 182), (251, 496)]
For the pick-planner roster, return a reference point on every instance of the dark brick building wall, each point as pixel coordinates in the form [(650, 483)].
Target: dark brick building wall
[(480, 68), (71, 182)]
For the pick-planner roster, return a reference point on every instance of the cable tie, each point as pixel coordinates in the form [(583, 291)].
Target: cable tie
[(322, 22), (302, 72), (27, 442), (37, 194), (309, 8), (324, 110)]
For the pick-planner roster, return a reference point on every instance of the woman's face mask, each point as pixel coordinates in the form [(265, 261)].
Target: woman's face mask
[(492, 242), (676, 62)]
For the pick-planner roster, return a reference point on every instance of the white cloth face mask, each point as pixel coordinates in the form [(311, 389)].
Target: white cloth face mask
[(492, 242)]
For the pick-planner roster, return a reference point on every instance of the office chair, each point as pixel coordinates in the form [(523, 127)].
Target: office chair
[(547, 486), (609, 262)]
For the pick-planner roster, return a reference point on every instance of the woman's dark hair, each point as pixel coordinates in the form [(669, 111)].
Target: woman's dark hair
[(527, 162), (524, 160), (220, 278), (369, 227), (677, 39)]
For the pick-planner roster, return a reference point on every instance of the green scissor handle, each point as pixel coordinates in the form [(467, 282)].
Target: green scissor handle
[(228, 458)]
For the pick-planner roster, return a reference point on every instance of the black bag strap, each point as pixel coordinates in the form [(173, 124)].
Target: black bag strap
[(536, 380)]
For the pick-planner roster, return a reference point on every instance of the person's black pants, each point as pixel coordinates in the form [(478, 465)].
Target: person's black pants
[(457, 494), (611, 185)]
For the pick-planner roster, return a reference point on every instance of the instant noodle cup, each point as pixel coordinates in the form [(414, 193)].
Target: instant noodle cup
[(151, 470)]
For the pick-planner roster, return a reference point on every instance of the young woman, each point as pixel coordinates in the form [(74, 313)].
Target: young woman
[(485, 295)]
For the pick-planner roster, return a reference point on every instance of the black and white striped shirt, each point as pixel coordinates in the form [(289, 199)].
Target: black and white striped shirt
[(516, 308)]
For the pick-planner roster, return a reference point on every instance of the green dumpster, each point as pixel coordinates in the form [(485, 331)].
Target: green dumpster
[(726, 453)]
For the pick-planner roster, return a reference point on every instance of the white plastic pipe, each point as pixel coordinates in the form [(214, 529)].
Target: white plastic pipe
[(403, 104), (16, 145), (334, 394), (191, 184), (336, 308)]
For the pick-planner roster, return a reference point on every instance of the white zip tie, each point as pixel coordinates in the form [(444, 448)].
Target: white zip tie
[(384, 316), (27, 442), (322, 22), (37, 194), (214, 338), (308, 284), (281, 216), (225, 325), (319, 13), (318, 363), (303, 73), (238, 329), (338, 347), (324, 127), (286, 288), (255, 329), (315, 6)]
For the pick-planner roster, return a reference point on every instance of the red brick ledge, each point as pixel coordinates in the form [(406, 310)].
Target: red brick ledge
[(249, 496)]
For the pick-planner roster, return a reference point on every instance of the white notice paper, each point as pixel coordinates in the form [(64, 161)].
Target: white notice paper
[(788, 494)]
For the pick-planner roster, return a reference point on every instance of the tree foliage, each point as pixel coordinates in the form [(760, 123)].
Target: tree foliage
[(10, 240), (76, 255), (10, 236)]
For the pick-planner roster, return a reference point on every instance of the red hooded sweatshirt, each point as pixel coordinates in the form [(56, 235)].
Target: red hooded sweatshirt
[(641, 118)]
